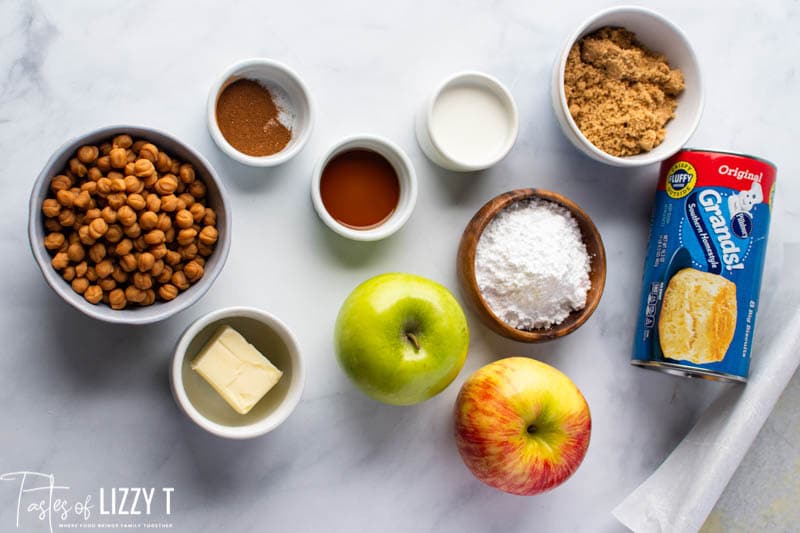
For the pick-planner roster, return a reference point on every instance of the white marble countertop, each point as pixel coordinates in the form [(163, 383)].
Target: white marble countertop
[(89, 402)]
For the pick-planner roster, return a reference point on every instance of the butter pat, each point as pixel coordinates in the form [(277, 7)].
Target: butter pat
[(236, 369)]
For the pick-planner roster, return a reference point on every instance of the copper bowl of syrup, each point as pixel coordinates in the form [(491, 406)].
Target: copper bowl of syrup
[(364, 188)]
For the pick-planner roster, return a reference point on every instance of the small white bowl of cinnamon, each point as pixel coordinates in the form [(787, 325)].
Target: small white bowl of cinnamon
[(260, 112)]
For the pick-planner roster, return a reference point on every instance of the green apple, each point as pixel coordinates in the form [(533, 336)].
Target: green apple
[(401, 338)]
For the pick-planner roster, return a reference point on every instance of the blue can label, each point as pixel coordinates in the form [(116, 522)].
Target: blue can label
[(702, 275)]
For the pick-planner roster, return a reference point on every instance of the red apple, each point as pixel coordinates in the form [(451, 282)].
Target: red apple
[(521, 425)]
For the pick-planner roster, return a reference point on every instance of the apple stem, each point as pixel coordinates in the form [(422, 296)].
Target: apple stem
[(532, 429), (413, 340)]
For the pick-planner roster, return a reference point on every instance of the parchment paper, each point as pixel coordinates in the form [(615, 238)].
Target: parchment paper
[(681, 493)]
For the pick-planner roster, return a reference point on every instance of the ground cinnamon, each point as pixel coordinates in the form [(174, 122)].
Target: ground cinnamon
[(249, 119)]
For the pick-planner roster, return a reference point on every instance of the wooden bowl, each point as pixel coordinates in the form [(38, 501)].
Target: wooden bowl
[(469, 283)]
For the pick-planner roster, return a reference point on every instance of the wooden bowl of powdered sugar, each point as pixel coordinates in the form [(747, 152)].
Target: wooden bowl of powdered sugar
[(532, 265)]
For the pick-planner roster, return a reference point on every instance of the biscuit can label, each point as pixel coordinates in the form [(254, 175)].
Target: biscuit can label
[(705, 257)]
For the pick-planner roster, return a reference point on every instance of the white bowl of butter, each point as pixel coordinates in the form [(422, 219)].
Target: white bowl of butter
[(237, 372)]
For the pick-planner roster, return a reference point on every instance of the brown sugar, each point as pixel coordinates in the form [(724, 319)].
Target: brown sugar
[(249, 119), (620, 94)]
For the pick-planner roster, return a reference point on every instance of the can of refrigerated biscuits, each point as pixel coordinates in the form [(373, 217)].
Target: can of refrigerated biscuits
[(705, 258)]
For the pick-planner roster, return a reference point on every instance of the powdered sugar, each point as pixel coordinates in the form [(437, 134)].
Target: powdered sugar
[(532, 266)]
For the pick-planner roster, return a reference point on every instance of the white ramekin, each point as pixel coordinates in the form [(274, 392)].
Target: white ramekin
[(658, 34), (427, 141), (240, 426), (269, 72), (405, 174)]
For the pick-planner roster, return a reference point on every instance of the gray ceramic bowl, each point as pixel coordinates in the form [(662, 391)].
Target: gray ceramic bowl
[(216, 198)]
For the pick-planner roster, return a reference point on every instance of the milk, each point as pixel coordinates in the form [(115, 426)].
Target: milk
[(470, 123)]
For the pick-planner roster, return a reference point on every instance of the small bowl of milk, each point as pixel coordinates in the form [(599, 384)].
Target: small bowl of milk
[(470, 123)]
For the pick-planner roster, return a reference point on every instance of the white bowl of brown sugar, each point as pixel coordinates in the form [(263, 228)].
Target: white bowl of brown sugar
[(626, 88), (260, 112)]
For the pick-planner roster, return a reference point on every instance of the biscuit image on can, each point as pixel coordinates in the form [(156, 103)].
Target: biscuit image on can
[(698, 317)]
